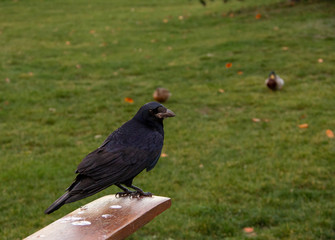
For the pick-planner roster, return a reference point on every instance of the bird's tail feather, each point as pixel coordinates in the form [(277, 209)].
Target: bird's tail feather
[(58, 203)]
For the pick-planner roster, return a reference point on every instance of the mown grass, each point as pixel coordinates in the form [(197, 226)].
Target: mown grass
[(67, 67)]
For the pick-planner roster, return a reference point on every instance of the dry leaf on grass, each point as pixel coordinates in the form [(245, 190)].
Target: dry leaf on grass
[(304, 125), (129, 100), (256, 120), (258, 16), (248, 229), (330, 133), (97, 136)]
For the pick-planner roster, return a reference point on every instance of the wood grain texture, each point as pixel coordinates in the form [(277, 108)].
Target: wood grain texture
[(105, 218)]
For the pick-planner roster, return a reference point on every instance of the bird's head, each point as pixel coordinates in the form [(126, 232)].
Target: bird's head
[(272, 75), (153, 112)]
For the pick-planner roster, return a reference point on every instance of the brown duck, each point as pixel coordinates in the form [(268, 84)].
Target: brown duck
[(274, 82)]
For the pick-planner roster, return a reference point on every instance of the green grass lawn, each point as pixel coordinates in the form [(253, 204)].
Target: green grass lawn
[(66, 68)]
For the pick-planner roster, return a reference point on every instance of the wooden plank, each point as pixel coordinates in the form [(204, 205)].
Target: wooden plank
[(105, 218)]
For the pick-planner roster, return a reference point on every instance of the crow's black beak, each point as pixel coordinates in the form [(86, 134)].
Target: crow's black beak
[(166, 114)]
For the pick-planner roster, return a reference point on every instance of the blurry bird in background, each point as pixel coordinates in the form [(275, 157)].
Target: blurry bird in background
[(274, 82), (161, 95), (203, 2), (135, 146)]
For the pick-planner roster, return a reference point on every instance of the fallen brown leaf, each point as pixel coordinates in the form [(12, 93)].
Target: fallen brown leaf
[(129, 100), (221, 90), (304, 125), (248, 229), (330, 133), (256, 120)]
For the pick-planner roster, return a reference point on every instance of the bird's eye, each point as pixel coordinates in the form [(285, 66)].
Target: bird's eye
[(153, 111), (161, 110), (157, 110)]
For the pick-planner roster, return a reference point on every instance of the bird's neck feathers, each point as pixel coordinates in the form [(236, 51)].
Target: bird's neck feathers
[(147, 119), (154, 124)]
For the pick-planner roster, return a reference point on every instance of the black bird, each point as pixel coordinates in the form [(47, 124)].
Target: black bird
[(130, 149)]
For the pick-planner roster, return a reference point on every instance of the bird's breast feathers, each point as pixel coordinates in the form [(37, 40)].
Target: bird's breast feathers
[(139, 138)]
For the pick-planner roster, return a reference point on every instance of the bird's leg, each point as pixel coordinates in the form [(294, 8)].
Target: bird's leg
[(139, 192), (126, 192)]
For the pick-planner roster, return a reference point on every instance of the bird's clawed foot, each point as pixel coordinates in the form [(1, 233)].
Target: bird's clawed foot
[(132, 194), (138, 194), (124, 194)]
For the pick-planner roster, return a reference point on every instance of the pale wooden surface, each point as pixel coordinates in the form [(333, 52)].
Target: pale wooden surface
[(105, 218)]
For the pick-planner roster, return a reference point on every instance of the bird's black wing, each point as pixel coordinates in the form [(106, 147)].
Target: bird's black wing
[(153, 164), (118, 164), (103, 168)]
